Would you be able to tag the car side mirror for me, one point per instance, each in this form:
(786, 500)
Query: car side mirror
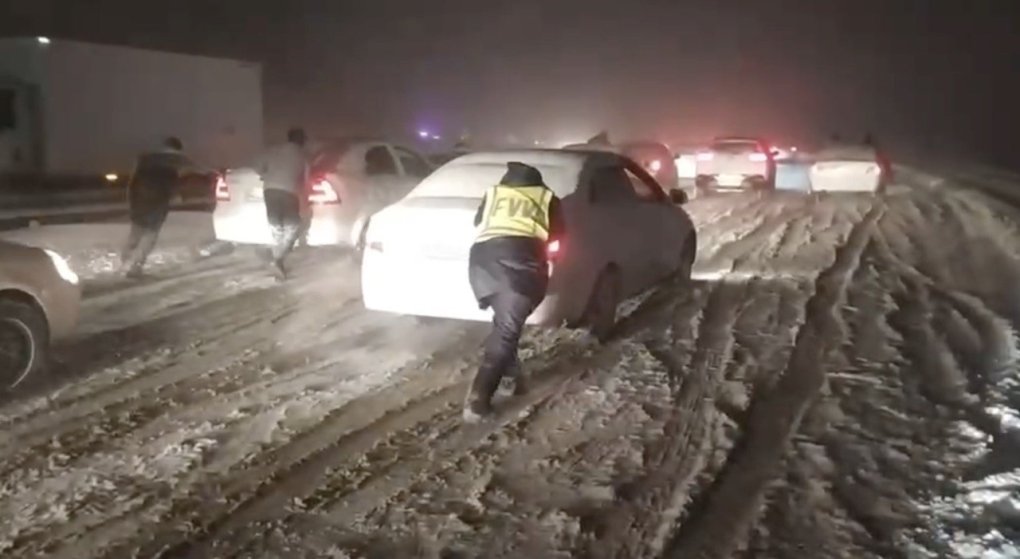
(678, 197)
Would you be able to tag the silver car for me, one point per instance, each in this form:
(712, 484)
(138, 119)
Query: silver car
(39, 301)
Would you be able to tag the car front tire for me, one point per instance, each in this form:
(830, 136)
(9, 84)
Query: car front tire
(600, 314)
(24, 342)
(687, 257)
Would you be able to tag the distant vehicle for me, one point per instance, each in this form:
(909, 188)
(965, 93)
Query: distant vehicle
(735, 164)
(439, 159)
(39, 300)
(784, 153)
(849, 168)
(350, 179)
(653, 156)
(624, 234)
(80, 112)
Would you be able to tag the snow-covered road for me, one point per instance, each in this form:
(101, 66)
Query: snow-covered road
(840, 381)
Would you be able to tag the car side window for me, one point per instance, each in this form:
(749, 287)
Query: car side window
(379, 162)
(645, 188)
(610, 185)
(412, 163)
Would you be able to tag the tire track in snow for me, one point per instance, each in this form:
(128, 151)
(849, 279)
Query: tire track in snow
(635, 528)
(575, 428)
(439, 413)
(732, 504)
(219, 335)
(274, 475)
(208, 395)
(220, 393)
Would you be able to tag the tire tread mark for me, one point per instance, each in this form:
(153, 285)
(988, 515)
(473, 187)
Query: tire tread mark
(732, 503)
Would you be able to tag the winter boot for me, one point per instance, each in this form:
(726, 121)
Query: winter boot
(476, 408)
(516, 372)
(279, 272)
(133, 272)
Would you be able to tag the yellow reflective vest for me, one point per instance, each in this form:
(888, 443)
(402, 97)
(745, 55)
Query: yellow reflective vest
(515, 211)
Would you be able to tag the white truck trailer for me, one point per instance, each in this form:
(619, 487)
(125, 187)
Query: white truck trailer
(75, 110)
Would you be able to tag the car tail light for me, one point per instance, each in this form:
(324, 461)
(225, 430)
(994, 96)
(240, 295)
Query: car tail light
(758, 157)
(323, 193)
(552, 249)
(222, 190)
(705, 156)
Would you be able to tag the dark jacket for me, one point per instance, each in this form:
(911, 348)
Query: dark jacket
(515, 264)
(155, 181)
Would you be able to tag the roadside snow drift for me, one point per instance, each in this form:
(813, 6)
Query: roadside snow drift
(839, 380)
(93, 249)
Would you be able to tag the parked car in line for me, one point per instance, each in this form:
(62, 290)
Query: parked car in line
(39, 302)
(734, 164)
(654, 157)
(350, 179)
(850, 168)
(623, 234)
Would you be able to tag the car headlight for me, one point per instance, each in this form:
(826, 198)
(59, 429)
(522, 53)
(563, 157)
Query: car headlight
(62, 267)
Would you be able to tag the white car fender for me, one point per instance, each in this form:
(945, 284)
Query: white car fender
(359, 229)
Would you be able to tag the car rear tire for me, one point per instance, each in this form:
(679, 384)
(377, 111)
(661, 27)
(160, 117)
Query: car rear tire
(687, 257)
(704, 185)
(24, 341)
(600, 314)
(757, 183)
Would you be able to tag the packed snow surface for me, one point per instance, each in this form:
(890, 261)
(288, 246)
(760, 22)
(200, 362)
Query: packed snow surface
(839, 380)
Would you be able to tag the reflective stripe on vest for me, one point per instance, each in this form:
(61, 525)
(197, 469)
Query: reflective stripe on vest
(519, 211)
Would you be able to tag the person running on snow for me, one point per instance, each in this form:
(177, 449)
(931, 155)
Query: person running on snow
(509, 271)
(284, 172)
(152, 187)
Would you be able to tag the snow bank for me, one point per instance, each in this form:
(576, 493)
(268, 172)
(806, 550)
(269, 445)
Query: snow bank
(94, 248)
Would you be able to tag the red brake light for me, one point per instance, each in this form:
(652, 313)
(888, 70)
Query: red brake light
(759, 157)
(323, 193)
(553, 248)
(705, 156)
(222, 190)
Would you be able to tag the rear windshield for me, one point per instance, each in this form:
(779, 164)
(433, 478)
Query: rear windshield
(471, 180)
(326, 156)
(734, 146)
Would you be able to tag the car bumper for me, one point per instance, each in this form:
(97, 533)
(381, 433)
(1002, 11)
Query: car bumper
(411, 284)
(845, 176)
(248, 225)
(62, 304)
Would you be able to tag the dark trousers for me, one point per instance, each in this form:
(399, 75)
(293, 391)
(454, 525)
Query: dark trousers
(145, 228)
(283, 210)
(510, 311)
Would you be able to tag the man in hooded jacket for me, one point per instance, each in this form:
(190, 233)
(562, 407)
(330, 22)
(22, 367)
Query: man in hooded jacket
(509, 272)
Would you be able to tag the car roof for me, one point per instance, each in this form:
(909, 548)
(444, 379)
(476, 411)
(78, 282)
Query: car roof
(561, 169)
(573, 158)
(735, 139)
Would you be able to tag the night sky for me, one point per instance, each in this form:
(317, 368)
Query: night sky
(930, 74)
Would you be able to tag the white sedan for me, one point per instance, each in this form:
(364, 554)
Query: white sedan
(350, 181)
(733, 164)
(624, 234)
(849, 168)
(39, 301)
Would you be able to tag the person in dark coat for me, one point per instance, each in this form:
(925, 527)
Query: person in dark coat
(152, 187)
(509, 272)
